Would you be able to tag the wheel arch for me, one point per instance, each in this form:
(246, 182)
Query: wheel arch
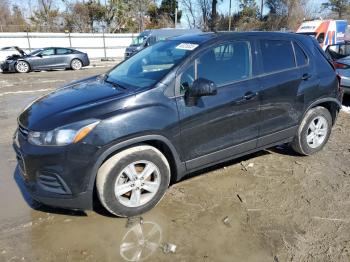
(76, 58)
(331, 104)
(19, 60)
(160, 142)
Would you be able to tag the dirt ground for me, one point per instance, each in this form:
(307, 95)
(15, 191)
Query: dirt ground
(270, 206)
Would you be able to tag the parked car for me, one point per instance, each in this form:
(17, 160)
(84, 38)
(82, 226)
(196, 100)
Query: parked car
(340, 55)
(44, 59)
(150, 37)
(176, 107)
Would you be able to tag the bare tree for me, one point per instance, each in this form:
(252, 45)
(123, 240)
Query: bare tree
(46, 15)
(287, 13)
(190, 13)
(4, 12)
(213, 19)
(205, 9)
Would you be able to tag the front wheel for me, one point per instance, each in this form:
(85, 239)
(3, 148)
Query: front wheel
(133, 181)
(313, 132)
(22, 67)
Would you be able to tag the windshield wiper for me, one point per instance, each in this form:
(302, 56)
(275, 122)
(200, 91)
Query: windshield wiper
(113, 83)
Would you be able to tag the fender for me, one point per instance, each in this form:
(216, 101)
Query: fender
(326, 99)
(180, 167)
(320, 101)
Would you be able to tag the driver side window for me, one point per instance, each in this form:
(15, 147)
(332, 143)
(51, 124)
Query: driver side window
(48, 52)
(223, 64)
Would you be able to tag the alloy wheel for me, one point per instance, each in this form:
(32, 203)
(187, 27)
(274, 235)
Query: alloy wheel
(76, 64)
(22, 67)
(317, 132)
(137, 184)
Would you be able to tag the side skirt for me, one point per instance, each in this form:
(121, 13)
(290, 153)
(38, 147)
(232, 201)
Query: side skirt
(246, 148)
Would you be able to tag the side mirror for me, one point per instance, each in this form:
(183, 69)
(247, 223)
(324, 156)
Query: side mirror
(200, 87)
(39, 55)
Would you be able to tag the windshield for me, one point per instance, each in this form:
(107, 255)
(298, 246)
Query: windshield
(139, 40)
(150, 65)
(35, 52)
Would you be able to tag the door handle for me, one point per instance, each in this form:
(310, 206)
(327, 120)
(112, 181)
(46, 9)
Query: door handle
(247, 96)
(250, 95)
(305, 77)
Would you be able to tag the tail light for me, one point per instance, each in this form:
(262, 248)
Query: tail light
(338, 65)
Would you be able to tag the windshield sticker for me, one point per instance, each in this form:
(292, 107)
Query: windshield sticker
(187, 46)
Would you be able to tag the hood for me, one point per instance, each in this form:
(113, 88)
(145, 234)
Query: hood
(90, 98)
(133, 48)
(19, 50)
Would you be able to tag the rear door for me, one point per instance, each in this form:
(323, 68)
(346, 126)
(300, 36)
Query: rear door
(283, 78)
(62, 57)
(220, 126)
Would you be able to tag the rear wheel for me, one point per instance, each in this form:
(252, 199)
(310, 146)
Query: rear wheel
(76, 64)
(133, 181)
(313, 132)
(22, 67)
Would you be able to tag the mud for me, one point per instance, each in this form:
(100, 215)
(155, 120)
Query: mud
(269, 206)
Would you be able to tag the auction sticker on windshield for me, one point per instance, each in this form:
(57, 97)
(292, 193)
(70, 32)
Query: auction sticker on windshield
(187, 46)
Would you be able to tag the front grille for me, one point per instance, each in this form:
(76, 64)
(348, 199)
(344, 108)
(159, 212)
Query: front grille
(24, 132)
(4, 66)
(52, 182)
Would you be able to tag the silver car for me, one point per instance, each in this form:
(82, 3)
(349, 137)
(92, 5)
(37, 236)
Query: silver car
(340, 55)
(44, 59)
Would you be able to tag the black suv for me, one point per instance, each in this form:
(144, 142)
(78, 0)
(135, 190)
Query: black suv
(173, 108)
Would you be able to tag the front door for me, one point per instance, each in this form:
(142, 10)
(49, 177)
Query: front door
(46, 59)
(220, 126)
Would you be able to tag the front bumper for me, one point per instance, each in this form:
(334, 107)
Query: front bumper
(86, 61)
(8, 66)
(56, 176)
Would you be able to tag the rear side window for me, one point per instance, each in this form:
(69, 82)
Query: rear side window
(300, 55)
(277, 55)
(63, 51)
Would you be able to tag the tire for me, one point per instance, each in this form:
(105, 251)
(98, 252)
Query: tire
(313, 132)
(114, 178)
(22, 67)
(76, 64)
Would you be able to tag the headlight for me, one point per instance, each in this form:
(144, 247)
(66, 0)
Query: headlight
(65, 135)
